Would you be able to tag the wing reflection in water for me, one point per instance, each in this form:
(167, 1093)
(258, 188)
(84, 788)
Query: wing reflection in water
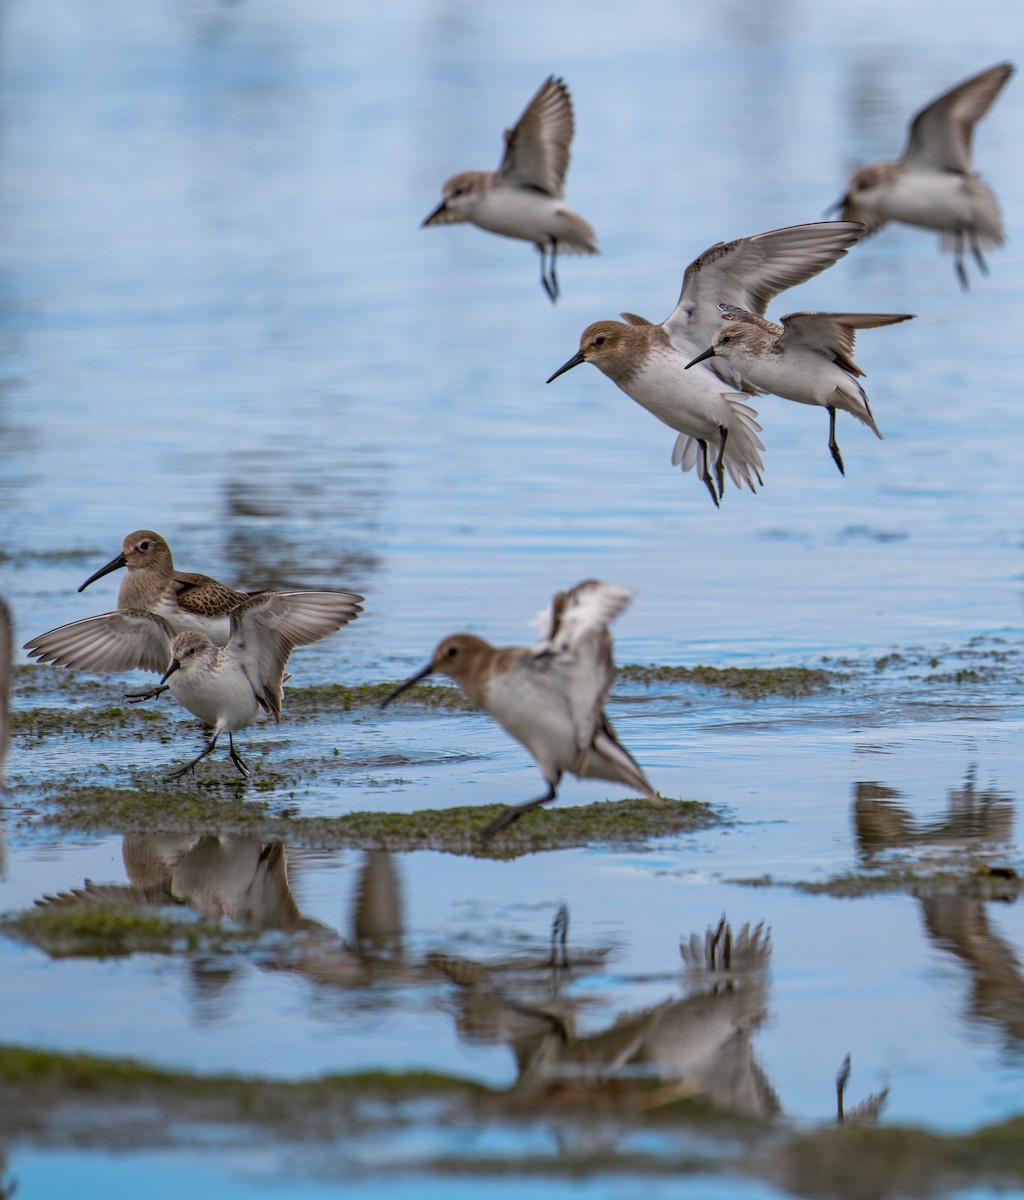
(960, 925)
(697, 1046)
(979, 823)
(243, 880)
(974, 819)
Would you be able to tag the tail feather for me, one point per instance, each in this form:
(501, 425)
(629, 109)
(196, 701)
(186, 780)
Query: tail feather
(856, 404)
(607, 758)
(742, 449)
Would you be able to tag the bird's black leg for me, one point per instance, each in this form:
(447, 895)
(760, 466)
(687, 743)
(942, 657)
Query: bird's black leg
(552, 274)
(720, 461)
(550, 288)
(513, 814)
(833, 445)
(559, 937)
(148, 694)
(978, 256)
(236, 757)
(191, 766)
(705, 474)
(958, 260)
(841, 1078)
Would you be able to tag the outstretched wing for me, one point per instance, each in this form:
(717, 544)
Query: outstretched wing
(537, 146)
(940, 134)
(747, 273)
(266, 627)
(108, 644)
(577, 650)
(834, 334)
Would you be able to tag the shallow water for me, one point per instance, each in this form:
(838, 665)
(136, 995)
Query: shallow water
(218, 319)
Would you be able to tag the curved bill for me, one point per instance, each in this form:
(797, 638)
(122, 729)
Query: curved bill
(402, 687)
(708, 353)
(114, 565)
(440, 211)
(175, 665)
(575, 361)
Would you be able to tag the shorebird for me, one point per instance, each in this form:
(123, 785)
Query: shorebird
(524, 197)
(551, 697)
(934, 183)
(228, 686)
(808, 358)
(151, 584)
(648, 362)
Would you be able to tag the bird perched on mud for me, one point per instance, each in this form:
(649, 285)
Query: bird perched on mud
(934, 184)
(524, 198)
(228, 687)
(808, 358)
(550, 698)
(151, 584)
(184, 600)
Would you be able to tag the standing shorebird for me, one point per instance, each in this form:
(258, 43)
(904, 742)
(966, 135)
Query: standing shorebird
(934, 183)
(189, 601)
(228, 686)
(151, 584)
(550, 698)
(524, 197)
(808, 358)
(707, 407)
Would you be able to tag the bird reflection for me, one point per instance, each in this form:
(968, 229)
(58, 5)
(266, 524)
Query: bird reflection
(959, 924)
(699, 1045)
(956, 919)
(974, 818)
(243, 880)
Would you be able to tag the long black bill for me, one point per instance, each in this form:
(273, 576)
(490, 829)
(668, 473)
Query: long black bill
(575, 361)
(708, 353)
(438, 212)
(427, 670)
(114, 565)
(839, 205)
(175, 665)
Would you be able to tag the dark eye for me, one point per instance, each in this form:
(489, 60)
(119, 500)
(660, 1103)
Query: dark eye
(452, 651)
(723, 340)
(144, 545)
(599, 341)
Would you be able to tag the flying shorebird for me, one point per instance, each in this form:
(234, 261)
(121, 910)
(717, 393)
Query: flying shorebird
(228, 686)
(808, 358)
(934, 183)
(648, 362)
(550, 698)
(524, 197)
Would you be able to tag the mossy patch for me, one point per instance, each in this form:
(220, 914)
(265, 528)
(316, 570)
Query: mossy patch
(30, 1069)
(978, 882)
(38, 724)
(456, 830)
(108, 930)
(335, 697)
(61, 1099)
(751, 683)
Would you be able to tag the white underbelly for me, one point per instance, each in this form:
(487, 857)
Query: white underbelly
(690, 402)
(220, 696)
(934, 199)
(520, 213)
